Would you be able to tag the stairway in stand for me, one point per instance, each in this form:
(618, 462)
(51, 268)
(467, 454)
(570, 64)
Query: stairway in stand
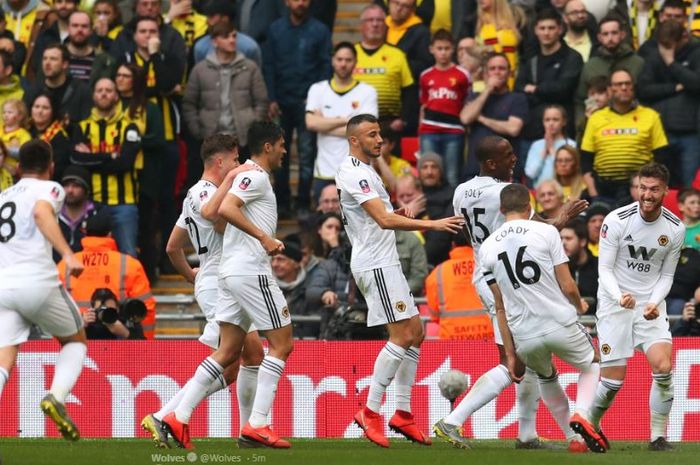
(347, 20)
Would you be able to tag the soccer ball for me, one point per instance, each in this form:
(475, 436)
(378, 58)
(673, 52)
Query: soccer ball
(452, 383)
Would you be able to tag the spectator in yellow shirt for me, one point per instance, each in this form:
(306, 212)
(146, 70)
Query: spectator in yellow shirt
(13, 133)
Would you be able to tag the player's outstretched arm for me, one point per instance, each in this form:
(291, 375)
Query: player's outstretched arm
(570, 210)
(390, 220)
(230, 210)
(175, 249)
(45, 220)
(210, 210)
(508, 345)
(568, 286)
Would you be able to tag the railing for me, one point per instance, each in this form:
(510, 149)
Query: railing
(183, 300)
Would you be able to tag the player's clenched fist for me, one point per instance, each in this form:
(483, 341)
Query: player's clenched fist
(73, 265)
(651, 312)
(627, 301)
(272, 246)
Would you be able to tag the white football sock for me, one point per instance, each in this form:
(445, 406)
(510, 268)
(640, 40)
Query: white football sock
(208, 372)
(4, 376)
(68, 367)
(246, 384)
(269, 375)
(604, 395)
(405, 377)
(585, 390)
(660, 402)
(486, 388)
(557, 402)
(171, 405)
(528, 395)
(385, 367)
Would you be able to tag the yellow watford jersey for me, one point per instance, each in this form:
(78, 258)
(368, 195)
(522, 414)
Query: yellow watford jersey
(21, 26)
(622, 143)
(386, 69)
(114, 143)
(13, 140)
(171, 117)
(693, 17)
(191, 27)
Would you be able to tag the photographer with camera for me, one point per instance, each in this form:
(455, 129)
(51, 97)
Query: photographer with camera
(106, 267)
(107, 318)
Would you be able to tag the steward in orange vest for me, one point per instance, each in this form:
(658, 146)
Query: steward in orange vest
(106, 267)
(453, 300)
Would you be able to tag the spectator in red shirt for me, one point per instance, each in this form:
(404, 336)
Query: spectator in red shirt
(443, 91)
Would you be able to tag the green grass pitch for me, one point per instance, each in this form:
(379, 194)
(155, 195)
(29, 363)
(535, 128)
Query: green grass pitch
(326, 452)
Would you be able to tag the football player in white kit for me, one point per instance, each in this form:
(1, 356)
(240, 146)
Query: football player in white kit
(199, 224)
(370, 221)
(524, 265)
(248, 293)
(30, 292)
(639, 248)
(478, 200)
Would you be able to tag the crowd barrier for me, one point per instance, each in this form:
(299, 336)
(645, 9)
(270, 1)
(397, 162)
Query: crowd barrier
(323, 385)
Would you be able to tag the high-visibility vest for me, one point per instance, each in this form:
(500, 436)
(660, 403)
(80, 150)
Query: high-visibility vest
(106, 267)
(453, 300)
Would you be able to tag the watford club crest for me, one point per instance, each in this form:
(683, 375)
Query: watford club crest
(663, 240)
(355, 104)
(453, 82)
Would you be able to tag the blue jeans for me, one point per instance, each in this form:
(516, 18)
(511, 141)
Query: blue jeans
(450, 147)
(688, 148)
(293, 117)
(125, 226)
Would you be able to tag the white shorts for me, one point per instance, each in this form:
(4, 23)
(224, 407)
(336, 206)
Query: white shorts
(622, 331)
(489, 303)
(207, 300)
(252, 303)
(387, 294)
(51, 308)
(570, 343)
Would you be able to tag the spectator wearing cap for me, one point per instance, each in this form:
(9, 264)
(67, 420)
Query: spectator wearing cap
(291, 278)
(77, 207)
(111, 269)
(594, 220)
(296, 54)
(222, 10)
(438, 204)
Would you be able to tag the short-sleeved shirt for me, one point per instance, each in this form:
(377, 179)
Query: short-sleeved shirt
(360, 98)
(442, 94)
(639, 252)
(386, 69)
(520, 256)
(25, 254)
(243, 255)
(372, 246)
(498, 107)
(622, 143)
(692, 236)
(205, 240)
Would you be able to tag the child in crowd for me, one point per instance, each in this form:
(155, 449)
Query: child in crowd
(540, 159)
(13, 132)
(689, 205)
(597, 98)
(443, 90)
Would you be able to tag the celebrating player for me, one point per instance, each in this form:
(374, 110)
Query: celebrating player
(525, 266)
(30, 292)
(639, 248)
(369, 221)
(249, 295)
(200, 225)
(477, 199)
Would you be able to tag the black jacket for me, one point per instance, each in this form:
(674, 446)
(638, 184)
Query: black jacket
(656, 87)
(556, 83)
(438, 205)
(415, 43)
(76, 101)
(586, 277)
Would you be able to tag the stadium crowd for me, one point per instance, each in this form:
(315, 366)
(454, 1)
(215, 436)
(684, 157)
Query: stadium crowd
(586, 92)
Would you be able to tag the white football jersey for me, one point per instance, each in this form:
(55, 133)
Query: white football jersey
(25, 254)
(372, 246)
(520, 256)
(638, 252)
(205, 240)
(479, 201)
(360, 99)
(243, 255)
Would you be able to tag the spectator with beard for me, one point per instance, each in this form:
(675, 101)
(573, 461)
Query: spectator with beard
(291, 278)
(56, 33)
(77, 208)
(581, 29)
(583, 265)
(85, 62)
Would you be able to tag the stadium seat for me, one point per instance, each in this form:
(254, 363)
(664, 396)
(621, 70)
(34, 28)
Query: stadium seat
(671, 202)
(409, 149)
